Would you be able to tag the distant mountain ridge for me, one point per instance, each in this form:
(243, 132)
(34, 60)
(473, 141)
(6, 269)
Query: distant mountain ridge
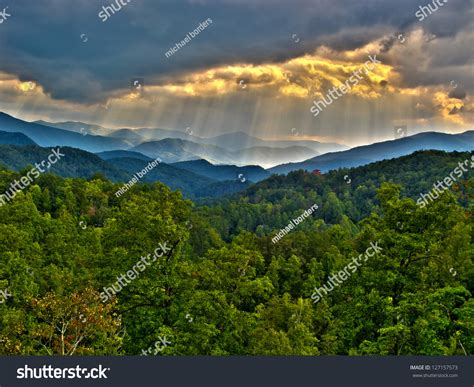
(230, 141)
(252, 173)
(226, 149)
(47, 136)
(268, 157)
(78, 127)
(241, 140)
(383, 150)
(235, 148)
(172, 150)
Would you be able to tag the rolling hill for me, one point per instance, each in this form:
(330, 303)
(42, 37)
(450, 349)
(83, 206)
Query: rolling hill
(383, 150)
(15, 139)
(75, 163)
(122, 153)
(79, 163)
(192, 185)
(223, 172)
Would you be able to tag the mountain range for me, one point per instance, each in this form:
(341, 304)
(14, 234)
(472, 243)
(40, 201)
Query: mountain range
(200, 178)
(79, 163)
(383, 150)
(236, 148)
(191, 163)
(47, 136)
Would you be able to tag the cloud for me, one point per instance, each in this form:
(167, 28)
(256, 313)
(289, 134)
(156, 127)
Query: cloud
(285, 54)
(133, 41)
(457, 93)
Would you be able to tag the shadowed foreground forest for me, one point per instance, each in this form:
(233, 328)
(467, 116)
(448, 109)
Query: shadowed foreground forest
(221, 287)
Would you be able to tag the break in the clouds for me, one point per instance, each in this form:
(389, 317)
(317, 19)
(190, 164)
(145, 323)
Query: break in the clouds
(256, 68)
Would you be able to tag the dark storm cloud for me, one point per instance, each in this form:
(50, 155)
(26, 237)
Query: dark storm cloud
(457, 93)
(42, 40)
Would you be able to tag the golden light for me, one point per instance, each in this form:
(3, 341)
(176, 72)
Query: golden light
(27, 86)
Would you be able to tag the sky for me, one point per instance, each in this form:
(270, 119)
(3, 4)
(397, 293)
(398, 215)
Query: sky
(256, 68)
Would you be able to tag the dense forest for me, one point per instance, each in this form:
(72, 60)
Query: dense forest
(221, 286)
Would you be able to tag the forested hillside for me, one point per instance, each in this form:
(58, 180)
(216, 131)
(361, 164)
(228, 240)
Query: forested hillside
(220, 286)
(342, 195)
(79, 163)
